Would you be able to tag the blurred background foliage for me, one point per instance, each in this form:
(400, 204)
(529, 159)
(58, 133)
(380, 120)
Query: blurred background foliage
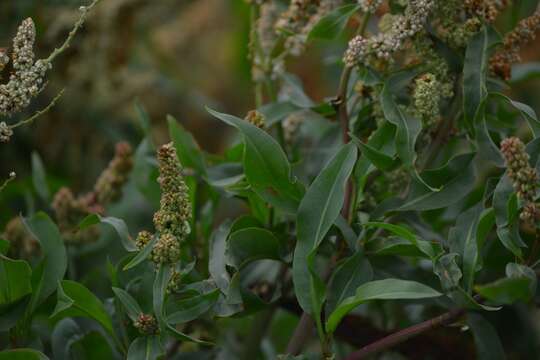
(172, 57)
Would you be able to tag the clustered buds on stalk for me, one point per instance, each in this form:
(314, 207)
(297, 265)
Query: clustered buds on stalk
(146, 324)
(369, 5)
(171, 221)
(426, 99)
(501, 62)
(108, 186)
(21, 244)
(291, 125)
(256, 118)
(362, 51)
(70, 210)
(27, 78)
(488, 10)
(5, 132)
(523, 176)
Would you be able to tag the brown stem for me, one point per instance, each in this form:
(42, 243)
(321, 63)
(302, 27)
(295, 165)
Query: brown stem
(407, 333)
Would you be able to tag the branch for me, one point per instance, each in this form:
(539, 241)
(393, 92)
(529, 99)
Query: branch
(405, 334)
(40, 112)
(11, 177)
(84, 12)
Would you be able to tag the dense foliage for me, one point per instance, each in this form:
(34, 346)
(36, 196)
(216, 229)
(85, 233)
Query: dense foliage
(395, 219)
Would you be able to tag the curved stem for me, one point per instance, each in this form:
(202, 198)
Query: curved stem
(407, 333)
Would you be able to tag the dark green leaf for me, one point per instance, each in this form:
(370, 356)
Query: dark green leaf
(191, 308)
(133, 309)
(22, 354)
(488, 345)
(266, 166)
(379, 159)
(317, 212)
(448, 271)
(146, 348)
(75, 300)
(386, 289)
(217, 261)
(117, 224)
(506, 290)
(189, 152)
(15, 280)
(474, 74)
(142, 255)
(348, 276)
(54, 263)
(333, 23)
(39, 179)
(250, 244)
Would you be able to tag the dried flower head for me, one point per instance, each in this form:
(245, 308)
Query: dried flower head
(166, 249)
(21, 244)
(523, 176)
(256, 118)
(426, 99)
(109, 185)
(146, 324)
(5, 132)
(143, 238)
(501, 62)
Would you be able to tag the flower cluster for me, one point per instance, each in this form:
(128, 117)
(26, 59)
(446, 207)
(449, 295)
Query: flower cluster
(300, 18)
(291, 125)
(27, 78)
(488, 10)
(256, 118)
(525, 31)
(109, 185)
(146, 324)
(70, 210)
(5, 132)
(171, 221)
(21, 244)
(426, 99)
(362, 51)
(265, 26)
(4, 59)
(523, 176)
(369, 5)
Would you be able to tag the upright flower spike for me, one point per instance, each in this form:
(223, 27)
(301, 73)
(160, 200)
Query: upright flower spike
(501, 62)
(172, 219)
(426, 99)
(109, 185)
(523, 176)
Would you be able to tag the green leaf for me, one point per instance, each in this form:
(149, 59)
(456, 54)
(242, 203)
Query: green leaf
(488, 345)
(387, 289)
(317, 212)
(455, 180)
(54, 264)
(486, 146)
(266, 166)
(65, 333)
(69, 341)
(217, 261)
(474, 74)
(408, 127)
(133, 309)
(117, 224)
(251, 244)
(506, 290)
(424, 246)
(514, 270)
(146, 348)
(379, 159)
(333, 23)
(39, 179)
(525, 111)
(448, 271)
(15, 277)
(191, 308)
(22, 354)
(189, 152)
(506, 216)
(142, 255)
(75, 300)
(348, 276)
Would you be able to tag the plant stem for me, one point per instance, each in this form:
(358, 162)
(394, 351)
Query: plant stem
(40, 112)
(303, 329)
(407, 333)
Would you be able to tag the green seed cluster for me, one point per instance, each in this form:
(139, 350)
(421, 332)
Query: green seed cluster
(146, 324)
(254, 117)
(426, 99)
(171, 221)
(523, 176)
(109, 185)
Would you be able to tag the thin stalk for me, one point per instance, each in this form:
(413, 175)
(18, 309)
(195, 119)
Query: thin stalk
(407, 333)
(40, 112)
